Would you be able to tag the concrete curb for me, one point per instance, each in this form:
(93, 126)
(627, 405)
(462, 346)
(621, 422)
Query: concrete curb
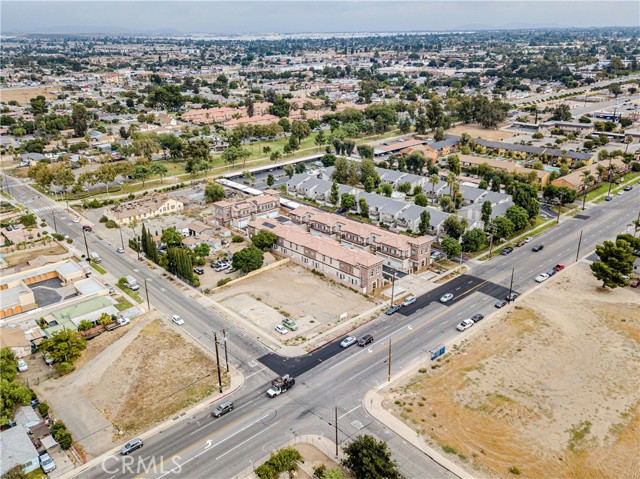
(237, 381)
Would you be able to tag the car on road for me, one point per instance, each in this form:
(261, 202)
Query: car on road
(465, 324)
(364, 340)
(537, 248)
(120, 250)
(290, 323)
(177, 319)
(22, 365)
(501, 304)
(222, 409)
(348, 341)
(528, 239)
(198, 270)
(392, 309)
(520, 243)
(559, 267)
(506, 251)
(446, 298)
(46, 463)
(281, 329)
(608, 198)
(512, 296)
(131, 446)
(628, 188)
(542, 278)
(75, 220)
(409, 300)
(551, 272)
(477, 317)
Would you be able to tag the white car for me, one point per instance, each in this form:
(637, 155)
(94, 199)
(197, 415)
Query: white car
(22, 365)
(466, 324)
(123, 321)
(409, 300)
(281, 329)
(177, 319)
(46, 463)
(528, 239)
(76, 220)
(348, 341)
(446, 298)
(542, 277)
(120, 250)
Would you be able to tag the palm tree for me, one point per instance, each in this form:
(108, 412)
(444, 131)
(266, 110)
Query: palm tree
(433, 179)
(451, 179)
(587, 178)
(600, 172)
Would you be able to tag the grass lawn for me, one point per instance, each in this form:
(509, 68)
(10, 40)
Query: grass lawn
(122, 304)
(98, 268)
(131, 293)
(538, 227)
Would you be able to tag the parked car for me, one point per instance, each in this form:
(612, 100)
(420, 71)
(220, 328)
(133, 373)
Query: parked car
(558, 267)
(281, 329)
(501, 304)
(634, 283)
(446, 298)
(608, 198)
(46, 463)
(110, 288)
(542, 278)
(528, 239)
(198, 270)
(348, 341)
(22, 365)
(177, 319)
(512, 296)
(120, 250)
(123, 321)
(131, 446)
(520, 243)
(537, 248)
(628, 188)
(409, 300)
(48, 359)
(551, 272)
(290, 323)
(506, 251)
(392, 309)
(222, 409)
(477, 317)
(466, 324)
(364, 340)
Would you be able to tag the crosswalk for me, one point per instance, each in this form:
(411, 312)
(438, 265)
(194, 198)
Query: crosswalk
(46, 208)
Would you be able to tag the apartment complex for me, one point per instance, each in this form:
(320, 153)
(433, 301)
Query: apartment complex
(239, 213)
(405, 253)
(149, 206)
(354, 268)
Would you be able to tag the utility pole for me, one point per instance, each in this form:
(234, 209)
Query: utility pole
(609, 175)
(336, 421)
(146, 289)
(215, 341)
(121, 238)
(226, 357)
(389, 368)
(393, 285)
(511, 284)
(84, 235)
(579, 243)
(55, 227)
(491, 226)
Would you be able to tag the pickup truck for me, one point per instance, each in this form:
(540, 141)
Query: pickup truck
(280, 385)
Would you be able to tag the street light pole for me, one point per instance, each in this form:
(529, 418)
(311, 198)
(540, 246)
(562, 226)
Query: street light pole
(579, 243)
(55, 227)
(393, 285)
(84, 235)
(609, 175)
(389, 368)
(491, 226)
(146, 289)
(511, 284)
(226, 356)
(215, 341)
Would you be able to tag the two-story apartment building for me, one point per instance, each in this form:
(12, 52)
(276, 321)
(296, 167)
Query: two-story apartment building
(239, 213)
(356, 269)
(154, 204)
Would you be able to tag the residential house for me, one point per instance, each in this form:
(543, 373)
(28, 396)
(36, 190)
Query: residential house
(574, 179)
(149, 206)
(394, 148)
(16, 449)
(512, 166)
(16, 340)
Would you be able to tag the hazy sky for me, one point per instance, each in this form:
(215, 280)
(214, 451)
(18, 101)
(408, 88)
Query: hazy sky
(305, 16)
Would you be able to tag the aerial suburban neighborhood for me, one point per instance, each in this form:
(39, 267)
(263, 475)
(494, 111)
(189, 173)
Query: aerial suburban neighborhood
(272, 250)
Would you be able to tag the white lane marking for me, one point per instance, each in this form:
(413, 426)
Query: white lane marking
(244, 442)
(253, 374)
(365, 370)
(350, 411)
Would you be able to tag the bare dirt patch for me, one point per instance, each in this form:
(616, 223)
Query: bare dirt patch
(550, 388)
(23, 257)
(314, 457)
(292, 291)
(476, 131)
(23, 95)
(153, 379)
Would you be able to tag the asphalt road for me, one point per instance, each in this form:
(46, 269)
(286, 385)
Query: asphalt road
(204, 447)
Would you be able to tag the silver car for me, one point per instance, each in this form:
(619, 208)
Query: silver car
(131, 446)
(348, 341)
(46, 463)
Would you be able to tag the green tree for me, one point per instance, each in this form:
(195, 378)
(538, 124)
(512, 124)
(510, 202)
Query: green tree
(434, 180)
(160, 170)
(264, 240)
(214, 192)
(171, 237)
(425, 223)
(386, 189)
(334, 196)
(487, 209)
(141, 172)
(454, 226)
(79, 119)
(447, 204)
(421, 200)
(518, 216)
(561, 112)
(64, 346)
(368, 171)
(526, 196)
(248, 259)
(85, 325)
(364, 207)
(38, 105)
(474, 239)
(12, 392)
(368, 458)
(404, 187)
(415, 161)
(202, 250)
(503, 227)
(615, 261)
(340, 170)
(451, 247)
(347, 201)
(270, 180)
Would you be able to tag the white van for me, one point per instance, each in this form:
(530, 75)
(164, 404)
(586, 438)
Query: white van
(409, 300)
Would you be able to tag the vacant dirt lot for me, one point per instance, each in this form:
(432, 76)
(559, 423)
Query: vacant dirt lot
(476, 131)
(295, 292)
(151, 379)
(550, 388)
(23, 95)
(23, 256)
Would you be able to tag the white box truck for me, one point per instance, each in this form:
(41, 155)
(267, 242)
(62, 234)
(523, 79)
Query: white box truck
(95, 257)
(132, 284)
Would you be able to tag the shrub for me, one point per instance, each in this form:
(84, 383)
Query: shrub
(237, 239)
(514, 470)
(58, 236)
(43, 409)
(223, 281)
(65, 439)
(111, 224)
(103, 219)
(63, 368)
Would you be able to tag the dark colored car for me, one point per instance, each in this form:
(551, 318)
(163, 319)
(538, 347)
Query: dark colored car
(506, 251)
(366, 339)
(537, 248)
(608, 198)
(477, 317)
(512, 296)
(222, 409)
(520, 243)
(392, 309)
(87, 228)
(628, 188)
(551, 272)
(501, 304)
(131, 446)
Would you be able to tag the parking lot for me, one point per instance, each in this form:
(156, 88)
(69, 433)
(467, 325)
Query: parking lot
(291, 291)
